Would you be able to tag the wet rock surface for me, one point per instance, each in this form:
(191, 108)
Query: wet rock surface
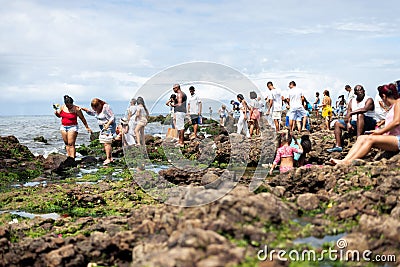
(112, 222)
(183, 236)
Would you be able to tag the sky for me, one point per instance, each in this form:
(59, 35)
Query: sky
(109, 49)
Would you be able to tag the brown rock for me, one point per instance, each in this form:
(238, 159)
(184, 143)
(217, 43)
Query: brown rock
(57, 257)
(308, 201)
(356, 241)
(377, 226)
(348, 213)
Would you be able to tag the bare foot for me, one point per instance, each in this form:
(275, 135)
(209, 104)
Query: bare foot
(338, 161)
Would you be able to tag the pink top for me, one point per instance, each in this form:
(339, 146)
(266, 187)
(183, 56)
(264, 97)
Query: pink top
(286, 151)
(389, 119)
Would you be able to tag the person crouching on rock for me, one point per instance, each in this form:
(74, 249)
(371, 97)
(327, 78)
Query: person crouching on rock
(285, 153)
(69, 114)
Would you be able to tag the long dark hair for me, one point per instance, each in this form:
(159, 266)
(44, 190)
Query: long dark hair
(140, 101)
(68, 100)
(284, 137)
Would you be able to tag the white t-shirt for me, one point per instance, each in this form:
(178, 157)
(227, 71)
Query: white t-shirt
(254, 103)
(349, 95)
(380, 113)
(276, 95)
(295, 98)
(194, 102)
(355, 106)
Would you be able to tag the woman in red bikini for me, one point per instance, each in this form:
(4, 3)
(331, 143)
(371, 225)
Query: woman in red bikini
(69, 114)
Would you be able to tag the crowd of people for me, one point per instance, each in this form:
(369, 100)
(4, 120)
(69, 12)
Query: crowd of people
(130, 130)
(374, 121)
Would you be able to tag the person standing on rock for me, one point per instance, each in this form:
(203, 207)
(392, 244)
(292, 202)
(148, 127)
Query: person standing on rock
(387, 138)
(131, 117)
(327, 109)
(106, 120)
(223, 114)
(254, 110)
(141, 121)
(180, 112)
(244, 115)
(275, 105)
(194, 109)
(69, 114)
(349, 93)
(316, 104)
(296, 113)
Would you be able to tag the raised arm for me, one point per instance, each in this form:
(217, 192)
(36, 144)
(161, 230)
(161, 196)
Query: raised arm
(58, 111)
(82, 118)
(90, 112)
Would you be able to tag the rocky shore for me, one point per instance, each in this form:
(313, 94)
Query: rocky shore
(103, 218)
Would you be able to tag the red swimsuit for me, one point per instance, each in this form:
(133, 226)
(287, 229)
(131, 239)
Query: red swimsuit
(68, 119)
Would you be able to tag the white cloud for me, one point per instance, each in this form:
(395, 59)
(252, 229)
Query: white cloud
(109, 49)
(362, 27)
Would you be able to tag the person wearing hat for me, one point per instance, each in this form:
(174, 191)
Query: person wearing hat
(194, 109)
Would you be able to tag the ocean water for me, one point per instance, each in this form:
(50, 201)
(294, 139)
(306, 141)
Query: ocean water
(26, 128)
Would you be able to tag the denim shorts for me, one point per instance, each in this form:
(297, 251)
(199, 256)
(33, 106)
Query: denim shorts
(369, 123)
(70, 128)
(297, 114)
(194, 118)
(112, 127)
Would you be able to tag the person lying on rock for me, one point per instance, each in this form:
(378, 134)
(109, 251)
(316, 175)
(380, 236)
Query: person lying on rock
(387, 138)
(285, 153)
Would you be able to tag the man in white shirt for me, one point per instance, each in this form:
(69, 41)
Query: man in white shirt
(350, 93)
(296, 112)
(194, 109)
(360, 117)
(275, 104)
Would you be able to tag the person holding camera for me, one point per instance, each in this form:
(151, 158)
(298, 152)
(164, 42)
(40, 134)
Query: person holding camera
(69, 114)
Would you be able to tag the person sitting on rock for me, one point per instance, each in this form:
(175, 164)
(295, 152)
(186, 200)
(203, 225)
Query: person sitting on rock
(387, 138)
(360, 117)
(285, 153)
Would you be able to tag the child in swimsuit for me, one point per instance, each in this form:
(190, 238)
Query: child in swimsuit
(285, 153)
